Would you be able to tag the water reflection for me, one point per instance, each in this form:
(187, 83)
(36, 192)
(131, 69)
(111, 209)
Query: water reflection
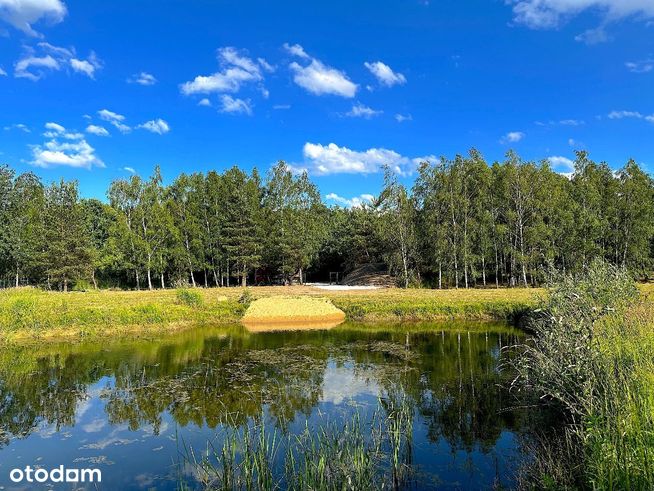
(130, 402)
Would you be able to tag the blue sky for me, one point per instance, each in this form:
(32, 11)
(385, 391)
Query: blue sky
(94, 91)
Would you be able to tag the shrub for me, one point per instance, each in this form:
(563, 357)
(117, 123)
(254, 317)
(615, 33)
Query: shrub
(187, 296)
(245, 298)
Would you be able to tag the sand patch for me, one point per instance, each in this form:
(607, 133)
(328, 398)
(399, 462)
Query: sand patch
(291, 313)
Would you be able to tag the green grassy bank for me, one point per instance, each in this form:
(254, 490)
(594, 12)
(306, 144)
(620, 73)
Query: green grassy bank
(592, 356)
(29, 313)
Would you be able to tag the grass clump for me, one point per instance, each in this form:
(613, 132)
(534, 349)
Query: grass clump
(187, 296)
(592, 357)
(352, 455)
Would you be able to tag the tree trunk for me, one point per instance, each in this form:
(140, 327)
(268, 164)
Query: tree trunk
(149, 277)
(440, 275)
(483, 270)
(192, 278)
(138, 280)
(95, 283)
(65, 284)
(163, 284)
(244, 278)
(17, 277)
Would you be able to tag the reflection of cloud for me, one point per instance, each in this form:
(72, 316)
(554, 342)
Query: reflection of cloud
(341, 383)
(94, 426)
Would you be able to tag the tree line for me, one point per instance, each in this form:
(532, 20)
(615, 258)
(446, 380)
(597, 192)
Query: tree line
(463, 223)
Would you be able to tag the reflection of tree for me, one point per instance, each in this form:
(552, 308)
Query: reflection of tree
(220, 377)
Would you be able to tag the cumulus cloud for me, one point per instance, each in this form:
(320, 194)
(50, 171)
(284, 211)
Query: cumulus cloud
(158, 126)
(401, 118)
(21, 14)
(143, 78)
(296, 50)
(2, 73)
(115, 119)
(36, 62)
(361, 111)
(641, 66)
(562, 165)
(64, 149)
(236, 69)
(230, 104)
(512, 137)
(97, 130)
(318, 78)
(88, 67)
(631, 114)
(384, 74)
(332, 159)
(550, 14)
(204, 102)
(354, 202)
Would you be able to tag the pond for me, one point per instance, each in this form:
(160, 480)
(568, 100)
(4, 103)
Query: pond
(136, 409)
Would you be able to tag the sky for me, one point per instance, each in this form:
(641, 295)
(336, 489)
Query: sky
(96, 91)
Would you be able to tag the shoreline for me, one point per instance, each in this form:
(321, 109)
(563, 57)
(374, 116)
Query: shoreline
(29, 314)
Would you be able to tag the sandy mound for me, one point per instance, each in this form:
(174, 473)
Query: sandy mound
(283, 313)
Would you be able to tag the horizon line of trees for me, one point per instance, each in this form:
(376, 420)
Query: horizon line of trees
(463, 223)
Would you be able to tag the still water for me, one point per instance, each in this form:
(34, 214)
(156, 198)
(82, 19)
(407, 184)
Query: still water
(134, 408)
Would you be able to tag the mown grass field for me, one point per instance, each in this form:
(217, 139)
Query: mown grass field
(28, 313)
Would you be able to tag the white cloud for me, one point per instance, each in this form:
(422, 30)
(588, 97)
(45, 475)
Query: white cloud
(35, 67)
(641, 66)
(143, 78)
(57, 128)
(332, 159)
(115, 119)
(108, 115)
(230, 104)
(37, 62)
(237, 69)
(75, 152)
(97, 130)
(562, 165)
(131, 170)
(18, 126)
(550, 14)
(512, 137)
(630, 114)
(158, 126)
(571, 122)
(384, 74)
(318, 78)
(282, 106)
(21, 14)
(401, 118)
(2, 73)
(574, 143)
(204, 102)
(361, 111)
(354, 202)
(265, 65)
(296, 50)
(87, 67)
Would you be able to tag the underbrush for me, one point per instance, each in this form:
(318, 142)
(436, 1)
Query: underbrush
(592, 357)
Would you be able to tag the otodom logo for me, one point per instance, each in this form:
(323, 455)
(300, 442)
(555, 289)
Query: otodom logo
(56, 475)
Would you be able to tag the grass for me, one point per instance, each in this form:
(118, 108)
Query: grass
(593, 357)
(32, 314)
(350, 456)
